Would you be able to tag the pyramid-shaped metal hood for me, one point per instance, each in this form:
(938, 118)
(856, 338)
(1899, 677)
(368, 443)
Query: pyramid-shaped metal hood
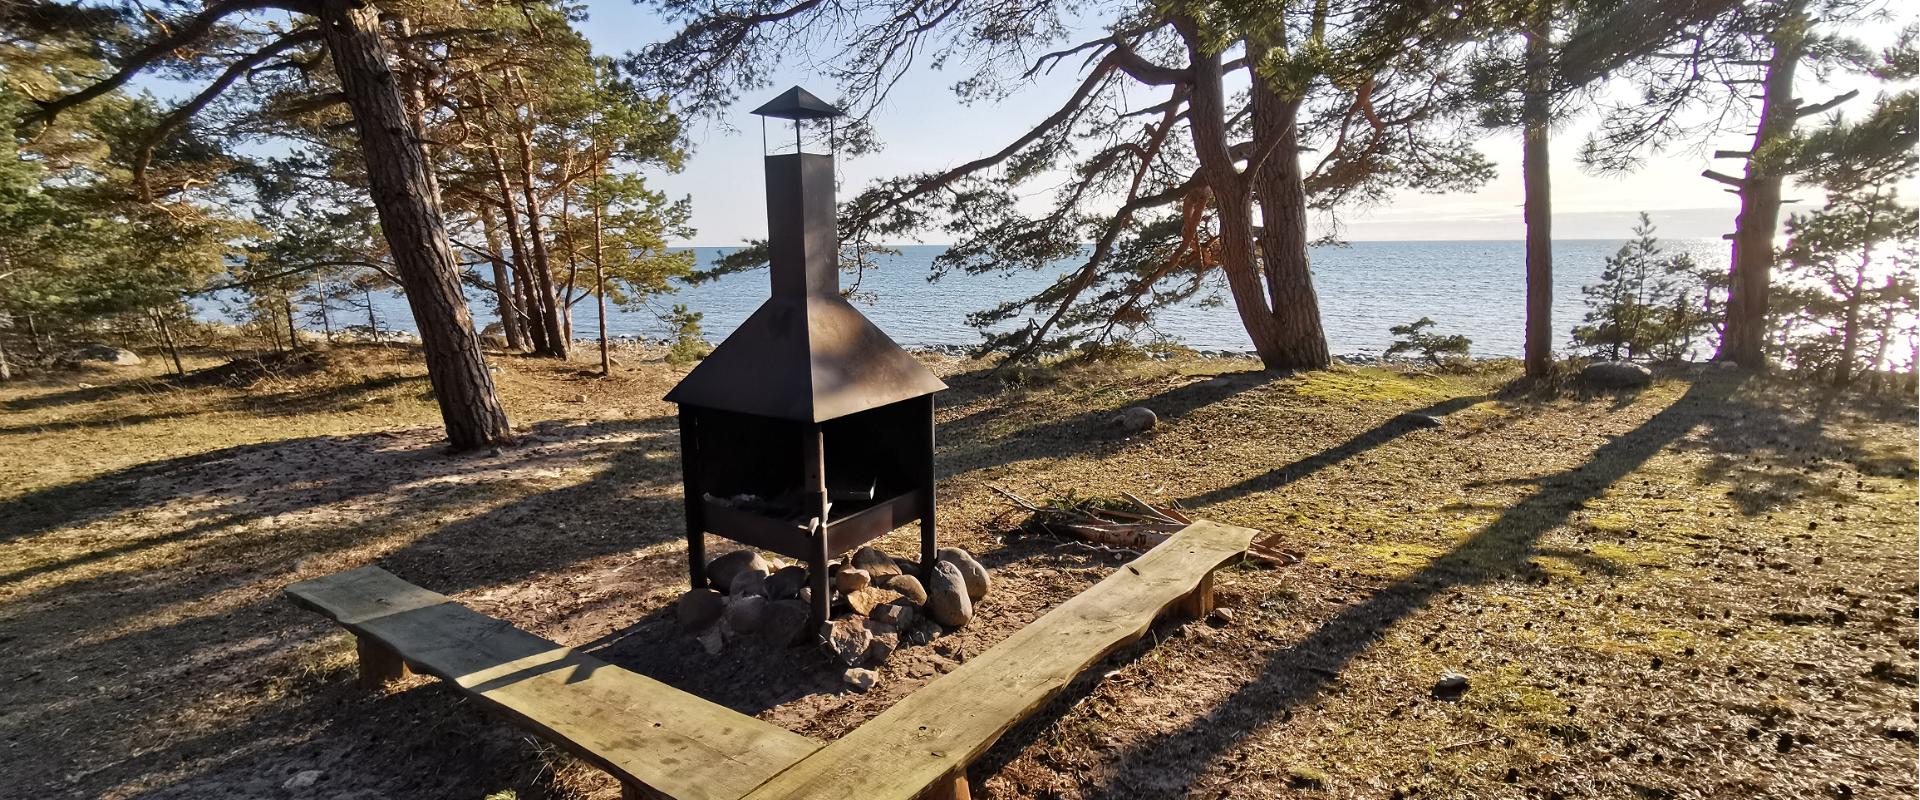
(806, 354)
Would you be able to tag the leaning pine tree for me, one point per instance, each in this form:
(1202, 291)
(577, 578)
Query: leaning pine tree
(400, 181)
(1176, 176)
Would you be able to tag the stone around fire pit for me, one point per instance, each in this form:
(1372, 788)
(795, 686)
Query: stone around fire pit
(909, 588)
(699, 608)
(947, 600)
(876, 563)
(748, 582)
(786, 583)
(721, 571)
(974, 574)
(848, 639)
(851, 579)
(783, 622)
(745, 613)
(864, 601)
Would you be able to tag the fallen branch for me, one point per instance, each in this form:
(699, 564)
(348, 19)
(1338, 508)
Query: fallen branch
(1139, 526)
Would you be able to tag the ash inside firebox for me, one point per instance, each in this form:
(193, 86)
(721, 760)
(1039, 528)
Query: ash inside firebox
(879, 605)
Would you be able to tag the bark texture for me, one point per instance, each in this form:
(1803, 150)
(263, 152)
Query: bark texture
(406, 197)
(1744, 342)
(1282, 192)
(1536, 119)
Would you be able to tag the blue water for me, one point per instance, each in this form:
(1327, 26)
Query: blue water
(1472, 288)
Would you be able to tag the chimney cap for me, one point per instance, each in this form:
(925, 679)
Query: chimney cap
(797, 103)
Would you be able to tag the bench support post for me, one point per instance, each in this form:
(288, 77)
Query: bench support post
(378, 663)
(1198, 603)
(952, 787)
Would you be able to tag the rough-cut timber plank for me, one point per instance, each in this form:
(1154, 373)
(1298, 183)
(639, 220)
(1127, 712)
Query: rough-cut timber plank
(651, 736)
(935, 732)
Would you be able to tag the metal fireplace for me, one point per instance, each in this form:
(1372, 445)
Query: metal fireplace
(807, 432)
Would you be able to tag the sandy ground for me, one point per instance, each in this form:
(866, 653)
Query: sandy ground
(1705, 589)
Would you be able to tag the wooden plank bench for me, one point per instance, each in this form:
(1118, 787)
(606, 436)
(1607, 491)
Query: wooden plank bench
(657, 740)
(662, 742)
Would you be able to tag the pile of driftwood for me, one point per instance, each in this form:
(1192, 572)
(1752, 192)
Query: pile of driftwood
(1135, 525)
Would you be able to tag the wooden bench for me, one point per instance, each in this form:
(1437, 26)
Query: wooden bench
(657, 740)
(660, 741)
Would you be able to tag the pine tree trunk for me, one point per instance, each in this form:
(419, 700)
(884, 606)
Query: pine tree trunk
(503, 288)
(1745, 340)
(529, 307)
(293, 333)
(600, 272)
(6, 369)
(1295, 306)
(1536, 117)
(1233, 198)
(546, 304)
(405, 195)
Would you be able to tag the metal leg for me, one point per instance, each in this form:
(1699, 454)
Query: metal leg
(695, 505)
(928, 543)
(814, 476)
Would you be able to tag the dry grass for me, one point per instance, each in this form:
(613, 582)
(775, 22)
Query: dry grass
(1703, 590)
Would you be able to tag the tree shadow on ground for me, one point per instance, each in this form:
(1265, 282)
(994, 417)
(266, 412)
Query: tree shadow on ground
(1296, 673)
(189, 617)
(1374, 437)
(1087, 431)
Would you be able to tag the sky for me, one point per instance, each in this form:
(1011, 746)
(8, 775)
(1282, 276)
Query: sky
(926, 128)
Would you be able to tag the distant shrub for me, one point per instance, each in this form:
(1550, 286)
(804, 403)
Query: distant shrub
(1417, 337)
(1649, 304)
(688, 344)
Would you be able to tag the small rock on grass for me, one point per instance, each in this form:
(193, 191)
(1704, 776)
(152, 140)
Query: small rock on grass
(302, 780)
(861, 680)
(1220, 617)
(971, 571)
(1450, 686)
(947, 601)
(1136, 419)
(699, 608)
(908, 586)
(1421, 420)
(721, 571)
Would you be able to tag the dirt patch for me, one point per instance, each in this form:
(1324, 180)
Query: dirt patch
(1702, 590)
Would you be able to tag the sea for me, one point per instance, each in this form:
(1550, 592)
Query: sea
(1475, 288)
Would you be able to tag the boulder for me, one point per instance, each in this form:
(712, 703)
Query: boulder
(851, 579)
(786, 582)
(745, 613)
(864, 601)
(1135, 419)
(947, 601)
(860, 680)
(721, 571)
(783, 622)
(908, 586)
(897, 614)
(1616, 375)
(848, 639)
(748, 582)
(882, 647)
(970, 570)
(699, 608)
(876, 563)
(106, 354)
